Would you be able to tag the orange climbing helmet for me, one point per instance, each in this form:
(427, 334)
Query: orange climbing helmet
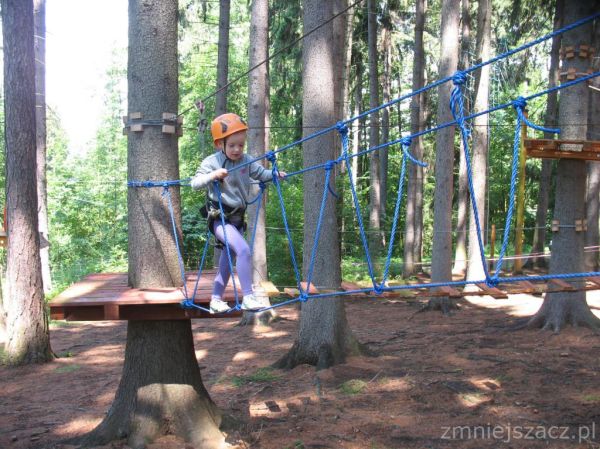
(226, 125)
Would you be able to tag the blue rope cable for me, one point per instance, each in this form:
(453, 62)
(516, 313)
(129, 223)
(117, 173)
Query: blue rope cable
(167, 193)
(519, 104)
(258, 199)
(201, 267)
(315, 246)
(428, 87)
(227, 248)
(273, 159)
(357, 210)
(457, 109)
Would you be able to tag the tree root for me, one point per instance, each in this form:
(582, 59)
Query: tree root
(265, 318)
(557, 313)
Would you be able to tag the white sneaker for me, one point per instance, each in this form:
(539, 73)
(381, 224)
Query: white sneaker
(251, 303)
(217, 305)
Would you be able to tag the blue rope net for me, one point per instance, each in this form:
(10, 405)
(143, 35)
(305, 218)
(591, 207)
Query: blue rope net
(379, 286)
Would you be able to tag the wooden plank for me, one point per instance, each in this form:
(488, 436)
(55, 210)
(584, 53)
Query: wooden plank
(558, 285)
(494, 292)
(563, 149)
(269, 288)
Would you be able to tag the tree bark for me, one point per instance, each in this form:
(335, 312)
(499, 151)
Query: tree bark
(592, 235)
(39, 20)
(441, 263)
(161, 390)
(386, 83)
(376, 237)
(564, 308)
(543, 199)
(475, 268)
(26, 320)
(258, 142)
(324, 338)
(460, 253)
(222, 75)
(414, 195)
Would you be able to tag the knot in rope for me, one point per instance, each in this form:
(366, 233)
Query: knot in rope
(271, 157)
(520, 103)
(406, 141)
(262, 185)
(378, 289)
(165, 187)
(492, 282)
(342, 128)
(459, 78)
(330, 164)
(303, 297)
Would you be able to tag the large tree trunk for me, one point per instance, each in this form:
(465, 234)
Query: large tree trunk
(543, 199)
(258, 142)
(222, 75)
(386, 83)
(564, 308)
(592, 237)
(475, 268)
(161, 389)
(441, 263)
(376, 237)
(27, 323)
(460, 252)
(324, 338)
(414, 214)
(39, 20)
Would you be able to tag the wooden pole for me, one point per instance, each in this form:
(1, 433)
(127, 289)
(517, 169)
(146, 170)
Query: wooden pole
(520, 201)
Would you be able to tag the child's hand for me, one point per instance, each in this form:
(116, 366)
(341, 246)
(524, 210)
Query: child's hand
(219, 174)
(282, 174)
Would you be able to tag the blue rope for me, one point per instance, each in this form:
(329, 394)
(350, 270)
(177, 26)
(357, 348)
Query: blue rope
(519, 104)
(273, 159)
(200, 268)
(227, 248)
(315, 246)
(457, 108)
(167, 193)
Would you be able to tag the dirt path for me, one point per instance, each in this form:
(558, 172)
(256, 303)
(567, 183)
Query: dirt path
(439, 382)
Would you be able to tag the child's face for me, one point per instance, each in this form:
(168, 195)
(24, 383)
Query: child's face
(234, 145)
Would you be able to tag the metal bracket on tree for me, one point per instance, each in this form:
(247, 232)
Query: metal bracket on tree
(170, 123)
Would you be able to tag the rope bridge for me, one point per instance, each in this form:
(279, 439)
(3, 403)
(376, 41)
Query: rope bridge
(379, 286)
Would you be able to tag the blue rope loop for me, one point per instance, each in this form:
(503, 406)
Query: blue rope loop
(459, 78)
(342, 128)
(520, 104)
(271, 157)
(492, 282)
(405, 143)
(378, 289)
(303, 296)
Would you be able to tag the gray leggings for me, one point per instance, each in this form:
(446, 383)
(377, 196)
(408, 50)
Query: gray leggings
(240, 249)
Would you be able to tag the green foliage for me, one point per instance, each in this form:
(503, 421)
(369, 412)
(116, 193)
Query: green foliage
(353, 387)
(261, 375)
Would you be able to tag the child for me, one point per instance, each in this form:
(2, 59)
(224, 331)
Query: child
(229, 135)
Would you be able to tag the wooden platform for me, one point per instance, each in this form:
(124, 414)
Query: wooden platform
(106, 296)
(563, 149)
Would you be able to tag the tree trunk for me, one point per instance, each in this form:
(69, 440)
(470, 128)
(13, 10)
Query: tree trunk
(39, 20)
(563, 308)
(460, 253)
(386, 82)
(26, 321)
(475, 268)
(441, 263)
(161, 390)
(324, 338)
(222, 75)
(223, 57)
(258, 142)
(592, 237)
(414, 214)
(543, 199)
(376, 237)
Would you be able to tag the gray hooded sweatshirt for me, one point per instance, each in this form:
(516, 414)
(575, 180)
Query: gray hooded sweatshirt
(236, 187)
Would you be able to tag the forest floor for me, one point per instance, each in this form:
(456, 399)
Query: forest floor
(464, 381)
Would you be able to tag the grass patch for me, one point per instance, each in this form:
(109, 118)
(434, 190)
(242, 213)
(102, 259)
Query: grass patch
(591, 398)
(353, 386)
(67, 368)
(297, 445)
(261, 375)
(65, 355)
